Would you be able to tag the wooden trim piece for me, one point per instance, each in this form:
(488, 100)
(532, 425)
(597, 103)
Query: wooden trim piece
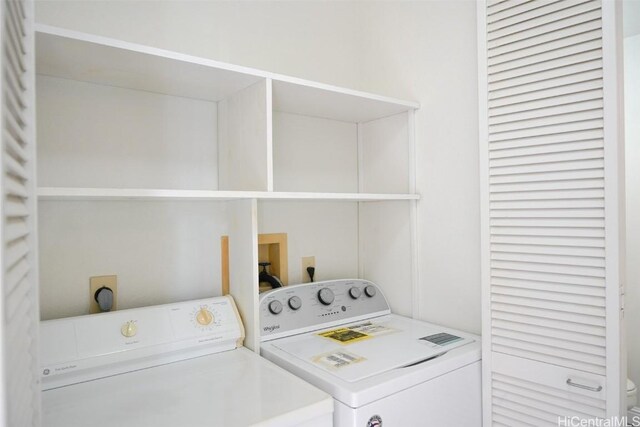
(224, 264)
(274, 247)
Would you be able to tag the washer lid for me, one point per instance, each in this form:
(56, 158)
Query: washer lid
(361, 350)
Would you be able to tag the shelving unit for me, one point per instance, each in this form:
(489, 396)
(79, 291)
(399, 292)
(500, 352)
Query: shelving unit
(250, 151)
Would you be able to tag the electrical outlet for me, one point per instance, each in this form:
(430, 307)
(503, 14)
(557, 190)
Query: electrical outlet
(307, 261)
(95, 283)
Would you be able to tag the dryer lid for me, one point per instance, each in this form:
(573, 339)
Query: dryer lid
(361, 350)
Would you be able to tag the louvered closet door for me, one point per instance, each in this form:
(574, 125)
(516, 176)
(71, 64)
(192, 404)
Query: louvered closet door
(19, 315)
(549, 150)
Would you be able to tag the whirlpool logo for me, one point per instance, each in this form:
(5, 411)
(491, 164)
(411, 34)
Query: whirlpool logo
(271, 328)
(375, 421)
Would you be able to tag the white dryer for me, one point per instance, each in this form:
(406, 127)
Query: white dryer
(382, 369)
(168, 366)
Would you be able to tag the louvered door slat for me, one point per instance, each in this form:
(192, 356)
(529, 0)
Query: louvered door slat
(563, 334)
(513, 10)
(15, 230)
(497, 6)
(16, 251)
(19, 314)
(545, 276)
(544, 60)
(559, 251)
(555, 148)
(531, 23)
(549, 201)
(17, 297)
(548, 140)
(512, 418)
(584, 26)
(16, 150)
(17, 30)
(564, 194)
(535, 69)
(550, 315)
(513, 39)
(552, 203)
(539, 9)
(553, 74)
(549, 258)
(569, 37)
(546, 322)
(524, 395)
(13, 128)
(566, 288)
(591, 353)
(592, 250)
(578, 152)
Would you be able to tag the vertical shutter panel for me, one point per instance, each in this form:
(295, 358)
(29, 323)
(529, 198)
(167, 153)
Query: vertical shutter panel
(545, 275)
(19, 308)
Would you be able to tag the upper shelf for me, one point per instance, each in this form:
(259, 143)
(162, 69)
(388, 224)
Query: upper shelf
(85, 57)
(67, 193)
(94, 59)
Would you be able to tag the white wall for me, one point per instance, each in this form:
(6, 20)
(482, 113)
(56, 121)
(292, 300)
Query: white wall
(314, 40)
(632, 160)
(422, 50)
(427, 51)
(155, 248)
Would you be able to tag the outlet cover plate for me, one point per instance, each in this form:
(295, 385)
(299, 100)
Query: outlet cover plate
(307, 261)
(95, 283)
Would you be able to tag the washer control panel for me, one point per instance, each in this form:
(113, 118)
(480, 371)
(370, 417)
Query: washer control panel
(309, 306)
(77, 346)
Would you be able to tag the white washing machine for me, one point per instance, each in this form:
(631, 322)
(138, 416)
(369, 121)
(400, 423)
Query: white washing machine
(167, 366)
(382, 369)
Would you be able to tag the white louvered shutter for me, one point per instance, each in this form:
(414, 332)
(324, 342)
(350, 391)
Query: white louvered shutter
(19, 316)
(550, 139)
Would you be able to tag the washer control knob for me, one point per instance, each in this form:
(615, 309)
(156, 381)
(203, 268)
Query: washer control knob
(275, 307)
(325, 295)
(295, 303)
(129, 329)
(355, 292)
(370, 291)
(204, 317)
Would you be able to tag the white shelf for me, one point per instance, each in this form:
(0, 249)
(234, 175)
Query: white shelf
(94, 59)
(291, 95)
(69, 193)
(84, 57)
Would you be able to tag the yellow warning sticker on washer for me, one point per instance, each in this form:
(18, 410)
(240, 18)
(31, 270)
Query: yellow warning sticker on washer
(344, 335)
(337, 359)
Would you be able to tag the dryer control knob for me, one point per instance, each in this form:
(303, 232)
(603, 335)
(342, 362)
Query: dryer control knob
(275, 307)
(129, 329)
(204, 317)
(325, 295)
(355, 292)
(370, 291)
(295, 303)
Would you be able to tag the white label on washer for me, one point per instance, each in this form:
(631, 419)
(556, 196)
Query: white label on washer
(337, 359)
(370, 328)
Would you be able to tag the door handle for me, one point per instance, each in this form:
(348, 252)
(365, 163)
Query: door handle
(584, 387)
